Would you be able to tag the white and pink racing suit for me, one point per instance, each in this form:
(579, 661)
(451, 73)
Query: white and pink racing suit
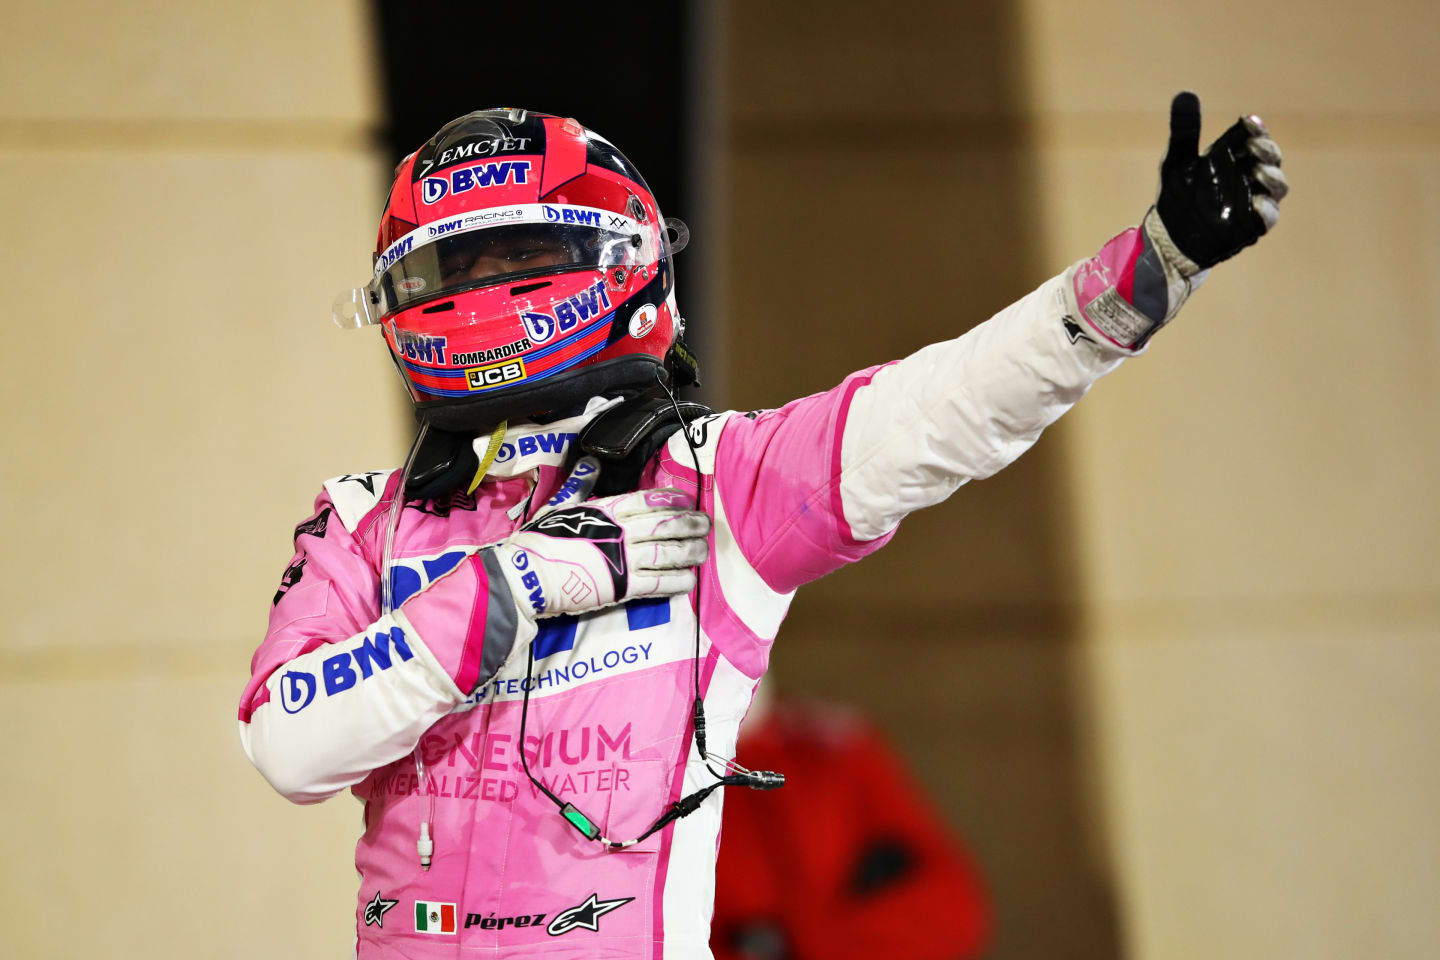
(342, 697)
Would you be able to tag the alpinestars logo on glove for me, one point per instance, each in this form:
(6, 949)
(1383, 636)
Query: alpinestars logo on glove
(587, 523)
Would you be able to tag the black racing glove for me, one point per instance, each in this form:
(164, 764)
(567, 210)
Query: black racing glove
(1211, 206)
(1215, 204)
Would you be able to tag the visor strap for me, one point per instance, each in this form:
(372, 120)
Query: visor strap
(496, 438)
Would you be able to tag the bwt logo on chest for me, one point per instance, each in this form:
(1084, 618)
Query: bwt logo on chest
(434, 189)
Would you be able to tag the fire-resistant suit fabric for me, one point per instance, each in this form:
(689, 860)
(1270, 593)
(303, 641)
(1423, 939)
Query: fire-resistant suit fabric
(342, 697)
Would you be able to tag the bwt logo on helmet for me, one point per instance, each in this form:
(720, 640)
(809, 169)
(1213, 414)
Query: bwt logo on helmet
(442, 228)
(434, 189)
(569, 313)
(298, 687)
(418, 346)
(397, 250)
(571, 215)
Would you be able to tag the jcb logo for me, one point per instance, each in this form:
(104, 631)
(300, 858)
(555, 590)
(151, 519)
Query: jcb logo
(496, 374)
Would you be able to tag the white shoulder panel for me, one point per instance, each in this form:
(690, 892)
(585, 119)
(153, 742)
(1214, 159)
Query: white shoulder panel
(705, 435)
(355, 494)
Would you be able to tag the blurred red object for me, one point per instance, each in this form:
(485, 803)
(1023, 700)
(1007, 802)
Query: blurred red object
(848, 859)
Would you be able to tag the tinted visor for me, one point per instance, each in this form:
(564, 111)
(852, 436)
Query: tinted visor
(482, 248)
(498, 254)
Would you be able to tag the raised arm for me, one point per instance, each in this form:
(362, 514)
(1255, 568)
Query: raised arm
(826, 479)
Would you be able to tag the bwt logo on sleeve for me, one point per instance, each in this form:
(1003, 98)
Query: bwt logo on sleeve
(529, 579)
(298, 688)
(435, 189)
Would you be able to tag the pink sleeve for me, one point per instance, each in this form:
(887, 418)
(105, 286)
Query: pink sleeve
(337, 690)
(778, 475)
(329, 591)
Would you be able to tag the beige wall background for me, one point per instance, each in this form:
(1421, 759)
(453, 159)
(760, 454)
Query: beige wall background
(1259, 536)
(1174, 674)
(185, 187)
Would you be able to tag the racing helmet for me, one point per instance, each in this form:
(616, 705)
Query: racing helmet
(522, 266)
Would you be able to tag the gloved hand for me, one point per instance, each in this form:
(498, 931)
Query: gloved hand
(578, 556)
(1211, 206)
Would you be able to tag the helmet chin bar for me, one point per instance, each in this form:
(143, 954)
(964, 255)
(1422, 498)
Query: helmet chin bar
(629, 374)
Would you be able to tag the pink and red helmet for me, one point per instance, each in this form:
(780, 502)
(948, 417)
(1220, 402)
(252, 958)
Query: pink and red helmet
(522, 267)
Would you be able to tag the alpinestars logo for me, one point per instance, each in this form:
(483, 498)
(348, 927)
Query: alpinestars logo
(587, 915)
(700, 430)
(588, 523)
(575, 525)
(375, 910)
(366, 480)
(1074, 331)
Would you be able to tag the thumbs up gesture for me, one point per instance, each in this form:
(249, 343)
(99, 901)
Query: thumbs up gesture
(1211, 206)
(1215, 204)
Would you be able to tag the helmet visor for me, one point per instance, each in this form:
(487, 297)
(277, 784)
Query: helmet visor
(501, 245)
(487, 247)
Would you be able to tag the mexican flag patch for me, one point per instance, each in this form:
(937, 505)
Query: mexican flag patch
(431, 917)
